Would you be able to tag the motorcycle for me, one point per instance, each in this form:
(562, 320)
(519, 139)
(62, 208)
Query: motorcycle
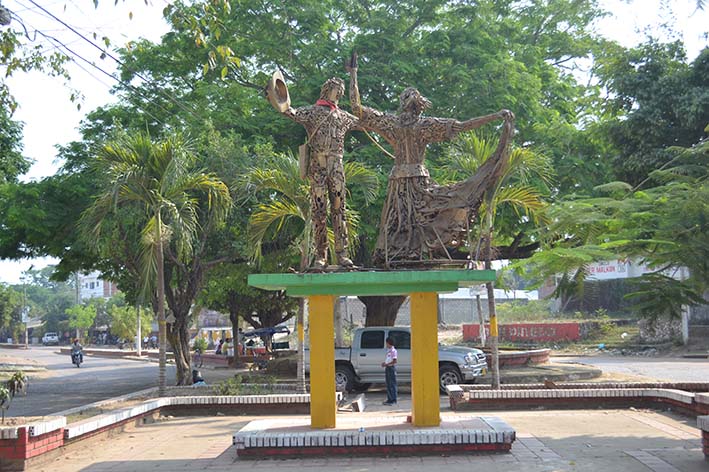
(76, 358)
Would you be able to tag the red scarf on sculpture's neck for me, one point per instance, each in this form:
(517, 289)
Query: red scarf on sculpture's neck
(327, 103)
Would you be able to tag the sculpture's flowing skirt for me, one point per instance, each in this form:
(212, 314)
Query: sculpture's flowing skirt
(422, 220)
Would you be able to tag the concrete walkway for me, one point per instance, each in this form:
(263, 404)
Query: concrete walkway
(583, 440)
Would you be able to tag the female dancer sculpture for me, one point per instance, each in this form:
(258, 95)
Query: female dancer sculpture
(420, 219)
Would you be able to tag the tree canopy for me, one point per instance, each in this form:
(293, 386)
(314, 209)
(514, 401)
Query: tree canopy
(204, 80)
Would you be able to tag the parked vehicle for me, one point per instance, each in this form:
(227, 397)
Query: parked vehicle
(50, 338)
(356, 368)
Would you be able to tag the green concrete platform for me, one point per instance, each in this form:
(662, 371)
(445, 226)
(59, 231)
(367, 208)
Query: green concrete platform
(401, 282)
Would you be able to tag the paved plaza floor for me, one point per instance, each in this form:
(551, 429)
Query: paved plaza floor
(547, 440)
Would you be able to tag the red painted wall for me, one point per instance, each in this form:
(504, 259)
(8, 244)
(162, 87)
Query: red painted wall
(527, 332)
(25, 446)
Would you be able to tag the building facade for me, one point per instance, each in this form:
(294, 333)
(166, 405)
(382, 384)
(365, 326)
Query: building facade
(92, 286)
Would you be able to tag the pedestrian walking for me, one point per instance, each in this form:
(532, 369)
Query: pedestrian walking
(389, 365)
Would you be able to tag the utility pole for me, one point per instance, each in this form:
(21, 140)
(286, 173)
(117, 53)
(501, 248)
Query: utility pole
(139, 341)
(78, 296)
(25, 311)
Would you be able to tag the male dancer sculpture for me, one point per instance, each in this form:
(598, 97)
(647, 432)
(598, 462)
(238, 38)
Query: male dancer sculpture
(326, 125)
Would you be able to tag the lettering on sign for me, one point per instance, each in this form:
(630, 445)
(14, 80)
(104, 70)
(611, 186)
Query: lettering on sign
(527, 332)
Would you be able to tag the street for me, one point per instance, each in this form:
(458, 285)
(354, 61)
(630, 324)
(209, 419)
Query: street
(97, 379)
(101, 378)
(654, 368)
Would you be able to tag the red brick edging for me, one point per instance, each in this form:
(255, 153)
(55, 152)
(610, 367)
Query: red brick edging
(390, 450)
(703, 424)
(23, 446)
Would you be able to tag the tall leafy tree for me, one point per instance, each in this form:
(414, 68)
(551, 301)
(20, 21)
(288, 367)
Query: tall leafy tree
(12, 162)
(49, 298)
(81, 317)
(124, 320)
(663, 224)
(469, 58)
(159, 178)
(10, 307)
(661, 101)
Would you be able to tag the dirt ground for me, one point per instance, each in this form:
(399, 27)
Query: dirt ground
(9, 364)
(6, 359)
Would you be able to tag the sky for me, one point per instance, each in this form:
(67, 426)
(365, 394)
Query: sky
(51, 119)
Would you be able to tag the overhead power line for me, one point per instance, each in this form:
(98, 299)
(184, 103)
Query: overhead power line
(73, 55)
(125, 84)
(108, 54)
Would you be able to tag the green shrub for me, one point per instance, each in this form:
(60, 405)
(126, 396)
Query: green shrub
(5, 399)
(233, 386)
(532, 310)
(14, 385)
(237, 386)
(200, 345)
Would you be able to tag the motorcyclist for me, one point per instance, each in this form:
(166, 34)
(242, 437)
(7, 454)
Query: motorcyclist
(77, 348)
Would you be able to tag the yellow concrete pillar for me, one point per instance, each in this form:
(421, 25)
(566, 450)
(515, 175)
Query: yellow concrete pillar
(426, 407)
(493, 325)
(323, 402)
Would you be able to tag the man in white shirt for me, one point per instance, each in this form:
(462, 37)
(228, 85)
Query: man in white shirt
(389, 365)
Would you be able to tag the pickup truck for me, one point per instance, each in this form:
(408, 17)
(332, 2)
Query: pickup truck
(356, 368)
(50, 338)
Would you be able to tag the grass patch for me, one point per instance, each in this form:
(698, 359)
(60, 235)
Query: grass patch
(237, 386)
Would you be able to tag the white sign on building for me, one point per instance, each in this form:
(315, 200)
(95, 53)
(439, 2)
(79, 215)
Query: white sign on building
(618, 269)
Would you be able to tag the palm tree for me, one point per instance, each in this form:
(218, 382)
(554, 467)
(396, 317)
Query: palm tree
(288, 205)
(521, 187)
(158, 178)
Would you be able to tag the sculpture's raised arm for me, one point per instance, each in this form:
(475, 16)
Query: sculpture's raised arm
(370, 119)
(479, 121)
(444, 129)
(355, 101)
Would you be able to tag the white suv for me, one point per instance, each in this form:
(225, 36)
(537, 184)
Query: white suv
(50, 338)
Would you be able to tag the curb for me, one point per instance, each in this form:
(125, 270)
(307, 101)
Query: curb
(540, 377)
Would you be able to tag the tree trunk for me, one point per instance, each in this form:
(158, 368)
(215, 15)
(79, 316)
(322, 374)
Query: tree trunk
(162, 328)
(483, 335)
(382, 310)
(267, 342)
(495, 367)
(234, 318)
(305, 250)
(300, 329)
(179, 340)
(338, 321)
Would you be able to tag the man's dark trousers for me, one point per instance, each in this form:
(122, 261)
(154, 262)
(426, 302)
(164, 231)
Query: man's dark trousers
(390, 376)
